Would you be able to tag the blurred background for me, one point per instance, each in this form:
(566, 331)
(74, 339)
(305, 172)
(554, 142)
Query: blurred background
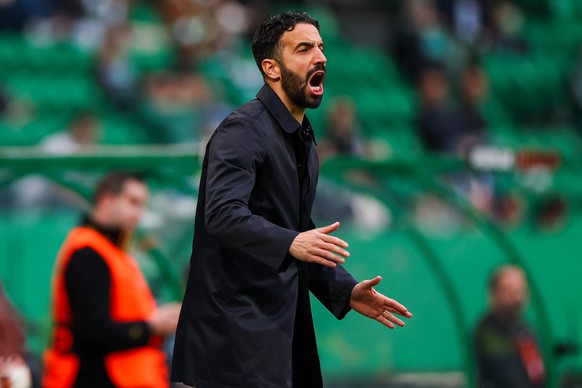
(449, 141)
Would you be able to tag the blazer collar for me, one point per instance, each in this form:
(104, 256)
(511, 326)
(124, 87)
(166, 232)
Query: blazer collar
(275, 106)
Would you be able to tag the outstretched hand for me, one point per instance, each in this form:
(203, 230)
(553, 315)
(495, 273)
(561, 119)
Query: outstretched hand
(318, 246)
(372, 304)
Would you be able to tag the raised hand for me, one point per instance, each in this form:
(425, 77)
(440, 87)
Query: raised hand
(318, 246)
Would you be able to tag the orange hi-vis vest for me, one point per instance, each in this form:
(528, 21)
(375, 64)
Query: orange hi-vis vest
(131, 300)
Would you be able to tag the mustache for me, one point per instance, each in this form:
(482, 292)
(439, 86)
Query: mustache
(318, 67)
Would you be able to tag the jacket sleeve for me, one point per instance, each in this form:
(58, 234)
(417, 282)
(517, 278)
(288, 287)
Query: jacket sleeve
(88, 285)
(235, 154)
(332, 287)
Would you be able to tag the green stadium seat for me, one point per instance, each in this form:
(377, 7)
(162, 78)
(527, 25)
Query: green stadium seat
(567, 9)
(535, 7)
(18, 54)
(531, 88)
(558, 40)
(393, 105)
(119, 130)
(10, 47)
(64, 92)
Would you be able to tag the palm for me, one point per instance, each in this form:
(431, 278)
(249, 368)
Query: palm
(374, 305)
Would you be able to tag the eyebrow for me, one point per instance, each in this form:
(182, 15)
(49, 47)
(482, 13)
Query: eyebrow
(308, 44)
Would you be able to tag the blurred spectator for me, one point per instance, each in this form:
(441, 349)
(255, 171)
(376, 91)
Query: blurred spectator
(342, 131)
(13, 108)
(506, 207)
(15, 14)
(507, 26)
(474, 87)
(550, 212)
(508, 354)
(4, 103)
(575, 89)
(447, 127)
(200, 28)
(14, 369)
(38, 192)
(82, 132)
(110, 12)
(467, 18)
(421, 38)
(107, 328)
(175, 107)
(115, 71)
(343, 137)
(438, 129)
(93, 25)
(82, 22)
(453, 129)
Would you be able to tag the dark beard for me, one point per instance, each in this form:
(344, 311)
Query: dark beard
(296, 87)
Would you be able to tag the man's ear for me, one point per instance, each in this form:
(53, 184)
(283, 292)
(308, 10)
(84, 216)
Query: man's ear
(271, 69)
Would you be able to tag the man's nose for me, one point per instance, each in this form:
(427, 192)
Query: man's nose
(320, 57)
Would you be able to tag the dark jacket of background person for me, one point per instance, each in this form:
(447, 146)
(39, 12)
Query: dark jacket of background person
(101, 304)
(246, 312)
(503, 351)
(507, 352)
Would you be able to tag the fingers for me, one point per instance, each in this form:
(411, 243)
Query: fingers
(325, 236)
(335, 249)
(394, 307)
(389, 304)
(317, 246)
(388, 319)
(324, 262)
(334, 240)
(330, 251)
(327, 255)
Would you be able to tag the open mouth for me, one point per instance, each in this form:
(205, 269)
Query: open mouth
(316, 82)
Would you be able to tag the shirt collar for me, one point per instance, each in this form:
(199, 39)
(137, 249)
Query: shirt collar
(115, 235)
(275, 106)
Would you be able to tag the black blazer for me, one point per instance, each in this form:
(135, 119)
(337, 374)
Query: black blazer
(246, 319)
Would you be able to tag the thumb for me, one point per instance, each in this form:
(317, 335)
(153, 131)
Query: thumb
(372, 282)
(330, 228)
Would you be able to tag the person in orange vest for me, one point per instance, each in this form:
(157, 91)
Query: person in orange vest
(107, 330)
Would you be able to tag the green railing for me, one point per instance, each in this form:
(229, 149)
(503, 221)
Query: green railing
(165, 163)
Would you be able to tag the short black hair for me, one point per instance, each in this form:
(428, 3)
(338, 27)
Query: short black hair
(113, 182)
(267, 37)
